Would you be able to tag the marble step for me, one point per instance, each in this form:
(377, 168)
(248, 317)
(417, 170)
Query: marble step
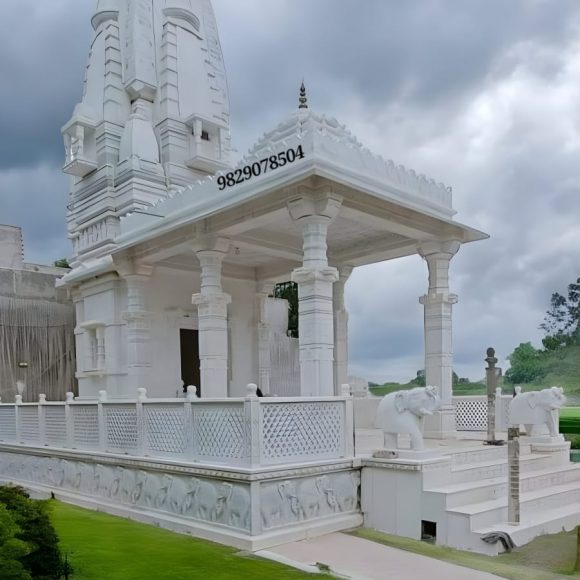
(457, 494)
(483, 455)
(550, 521)
(533, 503)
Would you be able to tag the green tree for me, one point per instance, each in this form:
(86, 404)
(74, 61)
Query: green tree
(62, 263)
(289, 291)
(12, 549)
(32, 517)
(561, 320)
(525, 364)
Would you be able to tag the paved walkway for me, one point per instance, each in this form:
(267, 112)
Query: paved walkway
(362, 559)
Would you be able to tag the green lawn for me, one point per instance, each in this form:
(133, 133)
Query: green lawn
(471, 389)
(570, 420)
(546, 558)
(103, 547)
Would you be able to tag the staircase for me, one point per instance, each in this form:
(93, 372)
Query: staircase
(468, 498)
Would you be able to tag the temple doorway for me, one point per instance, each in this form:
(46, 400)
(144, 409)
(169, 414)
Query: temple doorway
(189, 343)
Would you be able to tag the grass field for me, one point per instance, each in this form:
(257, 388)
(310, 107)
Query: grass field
(546, 558)
(458, 390)
(570, 420)
(103, 547)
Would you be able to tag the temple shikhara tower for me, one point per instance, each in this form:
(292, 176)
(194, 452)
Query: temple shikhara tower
(185, 265)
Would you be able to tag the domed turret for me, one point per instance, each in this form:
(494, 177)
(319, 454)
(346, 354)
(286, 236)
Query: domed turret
(106, 10)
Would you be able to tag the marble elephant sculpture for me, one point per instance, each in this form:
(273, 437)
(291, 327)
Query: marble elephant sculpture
(534, 408)
(403, 412)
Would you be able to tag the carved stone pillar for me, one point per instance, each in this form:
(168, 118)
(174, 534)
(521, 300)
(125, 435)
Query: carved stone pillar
(340, 331)
(138, 332)
(263, 328)
(314, 213)
(212, 304)
(438, 306)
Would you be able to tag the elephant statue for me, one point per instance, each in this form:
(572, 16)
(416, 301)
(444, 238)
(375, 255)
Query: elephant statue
(535, 408)
(403, 412)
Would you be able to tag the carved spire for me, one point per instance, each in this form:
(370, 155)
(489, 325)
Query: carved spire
(303, 98)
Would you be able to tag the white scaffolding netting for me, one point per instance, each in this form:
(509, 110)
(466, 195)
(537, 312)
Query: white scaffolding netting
(41, 334)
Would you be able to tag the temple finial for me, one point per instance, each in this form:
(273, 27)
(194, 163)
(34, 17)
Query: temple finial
(303, 98)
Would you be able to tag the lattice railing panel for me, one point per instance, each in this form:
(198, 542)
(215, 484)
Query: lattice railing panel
(7, 424)
(505, 402)
(218, 432)
(471, 414)
(55, 425)
(121, 427)
(292, 431)
(165, 429)
(29, 428)
(85, 426)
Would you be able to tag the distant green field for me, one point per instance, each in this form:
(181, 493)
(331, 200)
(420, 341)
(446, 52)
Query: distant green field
(472, 389)
(570, 420)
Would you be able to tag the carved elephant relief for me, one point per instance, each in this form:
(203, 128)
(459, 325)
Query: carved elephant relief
(279, 503)
(346, 490)
(233, 506)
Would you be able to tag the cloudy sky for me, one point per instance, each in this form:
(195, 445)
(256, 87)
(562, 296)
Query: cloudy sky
(481, 94)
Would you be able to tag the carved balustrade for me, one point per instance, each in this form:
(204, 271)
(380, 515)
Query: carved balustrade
(246, 432)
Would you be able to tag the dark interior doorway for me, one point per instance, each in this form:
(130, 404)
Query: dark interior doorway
(189, 342)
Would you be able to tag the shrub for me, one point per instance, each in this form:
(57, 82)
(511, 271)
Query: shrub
(35, 528)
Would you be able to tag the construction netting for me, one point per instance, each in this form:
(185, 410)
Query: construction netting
(36, 347)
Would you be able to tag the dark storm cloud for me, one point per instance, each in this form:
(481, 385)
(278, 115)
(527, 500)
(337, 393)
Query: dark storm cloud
(481, 94)
(43, 49)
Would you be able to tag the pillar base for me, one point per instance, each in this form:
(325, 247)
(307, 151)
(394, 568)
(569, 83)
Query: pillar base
(441, 425)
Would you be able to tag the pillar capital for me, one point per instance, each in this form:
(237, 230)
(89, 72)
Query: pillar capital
(438, 298)
(436, 247)
(207, 243)
(212, 300)
(317, 206)
(305, 275)
(128, 267)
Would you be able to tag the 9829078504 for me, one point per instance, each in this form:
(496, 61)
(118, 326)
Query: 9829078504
(260, 167)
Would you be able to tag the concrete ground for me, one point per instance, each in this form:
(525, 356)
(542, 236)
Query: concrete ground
(361, 559)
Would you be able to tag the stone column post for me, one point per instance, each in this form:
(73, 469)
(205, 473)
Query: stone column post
(340, 330)
(212, 304)
(438, 304)
(138, 328)
(314, 213)
(263, 327)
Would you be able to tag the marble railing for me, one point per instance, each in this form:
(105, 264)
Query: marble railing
(249, 432)
(471, 412)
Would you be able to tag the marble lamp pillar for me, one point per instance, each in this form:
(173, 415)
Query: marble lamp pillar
(212, 304)
(438, 310)
(314, 213)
